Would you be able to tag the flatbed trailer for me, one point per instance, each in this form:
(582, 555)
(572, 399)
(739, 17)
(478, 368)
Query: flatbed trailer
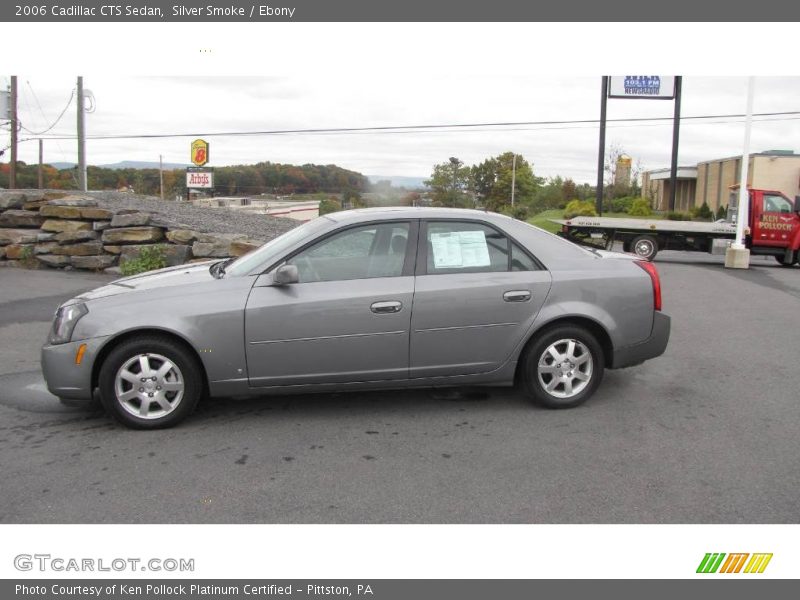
(772, 229)
(645, 237)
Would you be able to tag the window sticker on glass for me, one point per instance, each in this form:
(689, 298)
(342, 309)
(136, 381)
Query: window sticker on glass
(459, 249)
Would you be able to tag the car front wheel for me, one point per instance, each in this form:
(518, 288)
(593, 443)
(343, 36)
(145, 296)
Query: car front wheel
(563, 367)
(150, 382)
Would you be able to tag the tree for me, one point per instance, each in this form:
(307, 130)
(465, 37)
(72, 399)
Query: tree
(449, 182)
(569, 191)
(483, 177)
(493, 179)
(550, 195)
(411, 199)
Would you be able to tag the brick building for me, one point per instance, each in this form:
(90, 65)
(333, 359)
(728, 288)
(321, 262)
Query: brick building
(711, 180)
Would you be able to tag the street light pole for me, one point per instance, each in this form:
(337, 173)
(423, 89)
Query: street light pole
(738, 256)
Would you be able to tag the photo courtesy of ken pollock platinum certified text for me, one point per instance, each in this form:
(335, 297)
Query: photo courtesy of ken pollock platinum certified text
(193, 589)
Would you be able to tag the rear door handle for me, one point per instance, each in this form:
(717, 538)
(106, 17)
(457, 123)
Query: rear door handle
(389, 306)
(517, 296)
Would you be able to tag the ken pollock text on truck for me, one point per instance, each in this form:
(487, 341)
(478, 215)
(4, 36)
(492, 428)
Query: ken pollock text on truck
(773, 229)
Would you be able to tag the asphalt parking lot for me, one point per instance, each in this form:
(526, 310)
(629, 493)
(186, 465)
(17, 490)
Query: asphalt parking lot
(708, 433)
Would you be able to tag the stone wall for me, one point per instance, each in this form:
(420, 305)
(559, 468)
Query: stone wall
(67, 230)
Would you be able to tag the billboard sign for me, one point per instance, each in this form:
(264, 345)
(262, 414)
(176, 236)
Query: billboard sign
(650, 87)
(200, 152)
(199, 178)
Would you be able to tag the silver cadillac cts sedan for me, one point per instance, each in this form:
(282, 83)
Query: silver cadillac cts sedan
(363, 299)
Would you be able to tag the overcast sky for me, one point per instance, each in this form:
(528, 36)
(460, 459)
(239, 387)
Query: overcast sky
(158, 105)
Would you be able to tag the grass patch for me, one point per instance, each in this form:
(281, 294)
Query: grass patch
(149, 259)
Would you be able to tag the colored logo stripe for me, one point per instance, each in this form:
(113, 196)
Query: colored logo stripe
(758, 563)
(733, 564)
(710, 563)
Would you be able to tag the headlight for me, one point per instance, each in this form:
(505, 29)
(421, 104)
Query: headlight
(66, 319)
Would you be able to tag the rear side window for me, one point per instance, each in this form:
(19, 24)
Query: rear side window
(467, 247)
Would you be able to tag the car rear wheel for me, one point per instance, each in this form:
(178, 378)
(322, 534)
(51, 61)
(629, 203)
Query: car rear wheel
(150, 382)
(645, 246)
(563, 367)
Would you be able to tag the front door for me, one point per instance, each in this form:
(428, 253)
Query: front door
(776, 222)
(348, 317)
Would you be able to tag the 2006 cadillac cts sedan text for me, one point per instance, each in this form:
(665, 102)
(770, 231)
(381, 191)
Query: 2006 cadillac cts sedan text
(364, 299)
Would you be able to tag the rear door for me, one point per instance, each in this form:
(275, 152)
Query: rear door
(348, 318)
(477, 293)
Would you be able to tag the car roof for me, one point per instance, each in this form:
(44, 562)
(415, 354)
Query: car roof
(408, 212)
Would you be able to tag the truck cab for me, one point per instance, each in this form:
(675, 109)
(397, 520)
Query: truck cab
(774, 224)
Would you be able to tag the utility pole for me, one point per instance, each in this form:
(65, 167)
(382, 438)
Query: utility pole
(676, 130)
(601, 155)
(161, 175)
(41, 161)
(12, 175)
(81, 138)
(513, 177)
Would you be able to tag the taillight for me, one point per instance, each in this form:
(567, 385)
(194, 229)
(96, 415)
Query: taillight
(651, 270)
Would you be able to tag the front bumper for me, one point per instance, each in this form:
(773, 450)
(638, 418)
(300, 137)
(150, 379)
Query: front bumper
(653, 346)
(66, 379)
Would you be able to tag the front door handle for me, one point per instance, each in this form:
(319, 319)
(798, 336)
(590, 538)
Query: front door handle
(517, 296)
(389, 306)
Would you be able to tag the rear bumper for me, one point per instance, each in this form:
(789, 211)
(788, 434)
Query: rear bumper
(66, 379)
(653, 346)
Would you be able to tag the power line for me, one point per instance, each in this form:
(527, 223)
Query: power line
(412, 128)
(58, 119)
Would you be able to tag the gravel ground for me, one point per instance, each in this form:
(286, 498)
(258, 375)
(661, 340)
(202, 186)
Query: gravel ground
(207, 220)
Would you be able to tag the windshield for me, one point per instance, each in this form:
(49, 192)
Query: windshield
(247, 263)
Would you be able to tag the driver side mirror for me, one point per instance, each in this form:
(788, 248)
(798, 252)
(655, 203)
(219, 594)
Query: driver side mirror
(285, 275)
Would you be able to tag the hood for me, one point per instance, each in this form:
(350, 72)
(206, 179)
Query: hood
(182, 274)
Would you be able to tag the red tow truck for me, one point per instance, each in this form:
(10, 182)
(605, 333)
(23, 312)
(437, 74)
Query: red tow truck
(773, 229)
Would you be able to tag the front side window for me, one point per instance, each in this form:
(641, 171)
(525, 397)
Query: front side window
(357, 253)
(774, 203)
(464, 247)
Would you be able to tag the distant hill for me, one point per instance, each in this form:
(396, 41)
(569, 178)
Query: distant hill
(125, 164)
(234, 180)
(411, 183)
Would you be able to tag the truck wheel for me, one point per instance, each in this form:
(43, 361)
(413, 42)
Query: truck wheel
(150, 382)
(645, 246)
(779, 260)
(563, 367)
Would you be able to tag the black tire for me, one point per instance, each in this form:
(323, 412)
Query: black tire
(535, 386)
(644, 246)
(186, 371)
(779, 260)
